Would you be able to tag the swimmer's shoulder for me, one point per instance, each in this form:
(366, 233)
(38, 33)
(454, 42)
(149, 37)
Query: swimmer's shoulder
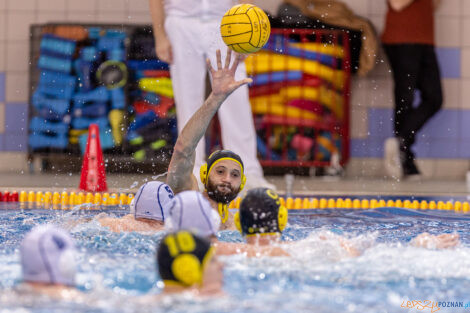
(229, 248)
(263, 251)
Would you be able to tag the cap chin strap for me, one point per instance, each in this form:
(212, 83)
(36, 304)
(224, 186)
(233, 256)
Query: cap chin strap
(223, 211)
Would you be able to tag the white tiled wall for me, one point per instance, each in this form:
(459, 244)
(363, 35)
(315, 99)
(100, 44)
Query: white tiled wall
(452, 28)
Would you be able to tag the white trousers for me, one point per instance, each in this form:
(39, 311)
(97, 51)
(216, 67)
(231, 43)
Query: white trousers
(193, 40)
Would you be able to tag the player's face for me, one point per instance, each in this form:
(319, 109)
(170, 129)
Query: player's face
(224, 181)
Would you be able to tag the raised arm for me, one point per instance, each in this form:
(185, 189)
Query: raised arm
(180, 171)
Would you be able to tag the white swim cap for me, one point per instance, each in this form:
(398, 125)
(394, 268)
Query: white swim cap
(48, 256)
(152, 201)
(192, 211)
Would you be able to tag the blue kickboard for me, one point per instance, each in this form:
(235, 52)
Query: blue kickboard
(108, 43)
(151, 97)
(95, 109)
(118, 100)
(99, 94)
(51, 63)
(147, 65)
(55, 84)
(57, 45)
(275, 77)
(84, 123)
(37, 141)
(263, 151)
(40, 125)
(116, 54)
(278, 44)
(57, 106)
(142, 120)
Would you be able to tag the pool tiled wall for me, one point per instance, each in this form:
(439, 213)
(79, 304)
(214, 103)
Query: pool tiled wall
(443, 145)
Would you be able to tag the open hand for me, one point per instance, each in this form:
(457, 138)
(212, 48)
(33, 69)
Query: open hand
(223, 79)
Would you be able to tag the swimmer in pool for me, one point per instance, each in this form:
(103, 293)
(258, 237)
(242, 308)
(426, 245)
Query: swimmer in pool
(261, 220)
(147, 210)
(48, 263)
(223, 174)
(190, 210)
(186, 263)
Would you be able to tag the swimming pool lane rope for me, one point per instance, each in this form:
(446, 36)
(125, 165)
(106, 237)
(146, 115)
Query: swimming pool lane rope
(67, 200)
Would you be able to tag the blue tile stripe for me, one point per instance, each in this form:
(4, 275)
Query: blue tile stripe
(15, 137)
(446, 135)
(449, 62)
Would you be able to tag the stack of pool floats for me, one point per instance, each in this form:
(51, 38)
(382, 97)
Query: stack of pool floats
(68, 200)
(75, 90)
(297, 98)
(109, 77)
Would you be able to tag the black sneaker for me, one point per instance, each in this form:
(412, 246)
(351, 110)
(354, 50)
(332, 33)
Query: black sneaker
(410, 168)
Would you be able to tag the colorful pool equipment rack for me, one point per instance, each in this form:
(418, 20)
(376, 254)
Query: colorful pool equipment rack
(66, 200)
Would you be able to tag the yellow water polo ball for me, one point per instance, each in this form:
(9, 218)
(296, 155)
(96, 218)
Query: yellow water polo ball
(245, 28)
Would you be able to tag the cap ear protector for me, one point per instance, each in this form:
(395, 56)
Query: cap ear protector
(188, 256)
(282, 217)
(236, 221)
(216, 157)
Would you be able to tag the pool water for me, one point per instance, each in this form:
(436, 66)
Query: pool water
(116, 270)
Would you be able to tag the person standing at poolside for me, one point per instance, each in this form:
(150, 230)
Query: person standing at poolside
(408, 41)
(187, 32)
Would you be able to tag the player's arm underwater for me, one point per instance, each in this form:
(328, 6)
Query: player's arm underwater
(180, 176)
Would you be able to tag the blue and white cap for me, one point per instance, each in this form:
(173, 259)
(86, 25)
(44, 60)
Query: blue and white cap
(48, 256)
(152, 201)
(192, 211)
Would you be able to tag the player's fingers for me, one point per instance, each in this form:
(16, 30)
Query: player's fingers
(236, 62)
(243, 82)
(228, 58)
(209, 65)
(219, 60)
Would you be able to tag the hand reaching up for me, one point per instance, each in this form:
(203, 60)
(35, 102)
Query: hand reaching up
(223, 79)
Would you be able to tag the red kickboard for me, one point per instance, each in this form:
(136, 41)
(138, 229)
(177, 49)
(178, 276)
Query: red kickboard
(273, 88)
(156, 73)
(160, 109)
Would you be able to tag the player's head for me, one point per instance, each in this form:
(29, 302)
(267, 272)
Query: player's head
(48, 256)
(152, 201)
(223, 176)
(261, 213)
(185, 259)
(190, 210)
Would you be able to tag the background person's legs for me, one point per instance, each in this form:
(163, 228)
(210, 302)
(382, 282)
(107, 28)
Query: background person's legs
(429, 85)
(405, 63)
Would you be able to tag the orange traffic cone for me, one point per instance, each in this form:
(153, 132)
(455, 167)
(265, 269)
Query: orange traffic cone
(93, 177)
